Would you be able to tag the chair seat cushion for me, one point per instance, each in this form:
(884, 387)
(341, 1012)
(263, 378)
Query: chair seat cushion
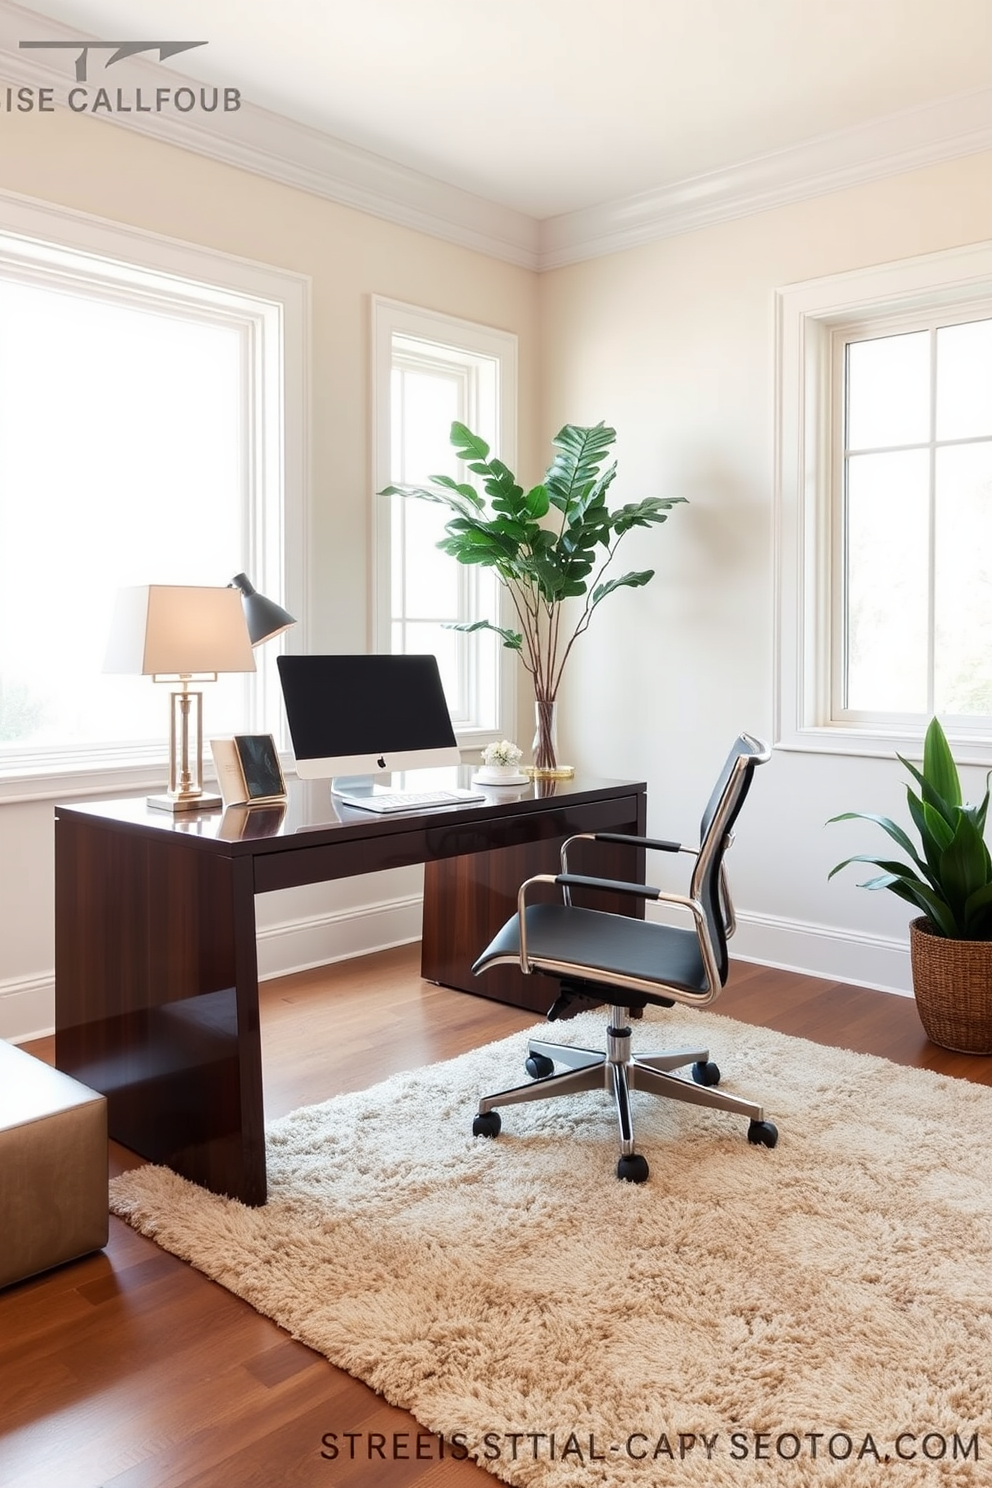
(599, 946)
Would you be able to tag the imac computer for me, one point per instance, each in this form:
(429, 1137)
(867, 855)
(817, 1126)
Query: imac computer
(356, 719)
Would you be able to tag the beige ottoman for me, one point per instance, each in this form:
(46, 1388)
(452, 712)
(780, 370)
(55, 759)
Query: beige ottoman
(53, 1167)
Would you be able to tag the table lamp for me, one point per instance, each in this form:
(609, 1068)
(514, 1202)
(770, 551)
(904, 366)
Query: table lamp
(177, 633)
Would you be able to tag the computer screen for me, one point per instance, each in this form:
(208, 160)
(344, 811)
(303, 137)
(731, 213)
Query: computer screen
(366, 715)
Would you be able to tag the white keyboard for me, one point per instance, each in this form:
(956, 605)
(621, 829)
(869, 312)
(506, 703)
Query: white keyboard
(383, 801)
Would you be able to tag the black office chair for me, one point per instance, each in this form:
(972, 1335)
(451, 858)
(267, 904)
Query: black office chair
(629, 962)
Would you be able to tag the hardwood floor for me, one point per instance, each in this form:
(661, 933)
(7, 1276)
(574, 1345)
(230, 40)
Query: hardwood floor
(131, 1370)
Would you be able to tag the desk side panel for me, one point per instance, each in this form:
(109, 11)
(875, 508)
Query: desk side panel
(152, 941)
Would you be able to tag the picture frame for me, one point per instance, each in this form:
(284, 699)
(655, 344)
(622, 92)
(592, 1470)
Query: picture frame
(248, 770)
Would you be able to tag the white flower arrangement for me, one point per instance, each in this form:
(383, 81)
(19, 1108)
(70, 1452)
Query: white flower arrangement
(503, 753)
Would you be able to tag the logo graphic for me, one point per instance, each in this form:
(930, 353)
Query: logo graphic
(120, 49)
(203, 98)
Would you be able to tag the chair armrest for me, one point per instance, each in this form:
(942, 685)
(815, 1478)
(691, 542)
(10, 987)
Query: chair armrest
(624, 839)
(659, 844)
(615, 885)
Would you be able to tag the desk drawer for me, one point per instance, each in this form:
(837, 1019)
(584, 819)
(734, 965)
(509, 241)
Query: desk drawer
(439, 838)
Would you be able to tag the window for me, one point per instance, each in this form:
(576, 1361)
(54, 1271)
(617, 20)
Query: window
(430, 370)
(914, 507)
(885, 506)
(142, 437)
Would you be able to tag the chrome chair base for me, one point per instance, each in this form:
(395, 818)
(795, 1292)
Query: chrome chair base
(620, 1071)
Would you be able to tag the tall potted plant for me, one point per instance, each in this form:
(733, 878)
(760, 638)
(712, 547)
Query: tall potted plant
(546, 545)
(949, 878)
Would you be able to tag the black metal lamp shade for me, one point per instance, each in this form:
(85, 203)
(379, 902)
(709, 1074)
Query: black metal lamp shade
(263, 616)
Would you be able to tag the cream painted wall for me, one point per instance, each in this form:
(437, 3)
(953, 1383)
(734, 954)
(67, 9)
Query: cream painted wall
(672, 343)
(104, 170)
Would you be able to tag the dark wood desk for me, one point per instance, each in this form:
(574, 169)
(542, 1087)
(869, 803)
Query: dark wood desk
(156, 977)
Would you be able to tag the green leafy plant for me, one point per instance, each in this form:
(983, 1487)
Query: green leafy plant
(546, 545)
(950, 877)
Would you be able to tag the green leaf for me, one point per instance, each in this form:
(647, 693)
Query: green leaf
(938, 764)
(644, 513)
(923, 897)
(892, 866)
(468, 446)
(512, 639)
(588, 499)
(537, 502)
(930, 795)
(440, 498)
(963, 868)
(600, 488)
(978, 913)
(467, 554)
(575, 468)
(887, 824)
(469, 492)
(935, 833)
(979, 813)
(627, 581)
(516, 531)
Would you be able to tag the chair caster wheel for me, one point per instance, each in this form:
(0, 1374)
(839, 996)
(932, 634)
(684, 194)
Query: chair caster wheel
(633, 1169)
(706, 1074)
(762, 1133)
(538, 1066)
(487, 1125)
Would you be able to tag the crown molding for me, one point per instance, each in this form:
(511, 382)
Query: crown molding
(267, 144)
(910, 140)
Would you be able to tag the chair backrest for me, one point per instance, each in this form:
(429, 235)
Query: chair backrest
(722, 810)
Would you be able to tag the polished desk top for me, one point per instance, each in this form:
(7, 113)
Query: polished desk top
(311, 816)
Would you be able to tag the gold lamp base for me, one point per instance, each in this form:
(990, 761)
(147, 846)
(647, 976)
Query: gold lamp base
(198, 802)
(185, 792)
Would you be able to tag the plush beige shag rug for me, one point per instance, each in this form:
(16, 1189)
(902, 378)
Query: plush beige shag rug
(818, 1314)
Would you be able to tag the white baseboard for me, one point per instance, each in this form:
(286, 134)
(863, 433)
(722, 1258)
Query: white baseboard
(27, 1008)
(879, 961)
(27, 1004)
(297, 945)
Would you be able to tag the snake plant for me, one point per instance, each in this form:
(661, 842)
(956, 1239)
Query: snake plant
(949, 876)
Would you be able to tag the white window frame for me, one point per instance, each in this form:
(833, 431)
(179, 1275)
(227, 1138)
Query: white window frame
(808, 566)
(392, 318)
(54, 246)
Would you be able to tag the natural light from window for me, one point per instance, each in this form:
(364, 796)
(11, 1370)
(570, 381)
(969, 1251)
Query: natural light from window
(120, 463)
(917, 523)
(432, 370)
(426, 585)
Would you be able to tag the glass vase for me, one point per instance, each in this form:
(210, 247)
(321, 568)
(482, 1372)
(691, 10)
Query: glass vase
(546, 765)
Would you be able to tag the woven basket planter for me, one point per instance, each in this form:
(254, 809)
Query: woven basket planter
(952, 982)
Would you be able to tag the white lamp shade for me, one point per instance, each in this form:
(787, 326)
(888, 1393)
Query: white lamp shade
(177, 630)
